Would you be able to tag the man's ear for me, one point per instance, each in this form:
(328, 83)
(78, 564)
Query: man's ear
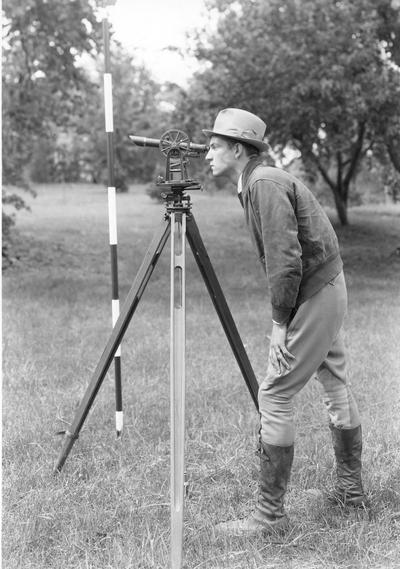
(238, 150)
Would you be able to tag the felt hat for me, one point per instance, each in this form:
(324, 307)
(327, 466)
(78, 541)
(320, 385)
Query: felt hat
(240, 125)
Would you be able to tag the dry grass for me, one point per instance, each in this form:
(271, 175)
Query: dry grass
(110, 506)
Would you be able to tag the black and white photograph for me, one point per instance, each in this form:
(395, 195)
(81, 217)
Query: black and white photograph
(200, 284)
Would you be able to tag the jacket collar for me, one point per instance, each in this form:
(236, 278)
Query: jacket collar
(248, 169)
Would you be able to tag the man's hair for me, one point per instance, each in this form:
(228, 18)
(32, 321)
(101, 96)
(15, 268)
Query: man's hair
(249, 149)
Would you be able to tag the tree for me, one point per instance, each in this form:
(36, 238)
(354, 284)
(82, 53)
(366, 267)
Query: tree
(43, 81)
(324, 75)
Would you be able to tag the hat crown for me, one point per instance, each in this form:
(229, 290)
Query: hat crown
(237, 122)
(240, 125)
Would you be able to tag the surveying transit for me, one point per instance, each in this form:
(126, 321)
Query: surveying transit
(179, 222)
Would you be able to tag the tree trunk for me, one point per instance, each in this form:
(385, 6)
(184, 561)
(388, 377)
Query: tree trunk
(393, 147)
(341, 208)
(340, 189)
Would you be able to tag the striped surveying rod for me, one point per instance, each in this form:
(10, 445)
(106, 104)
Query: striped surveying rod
(112, 216)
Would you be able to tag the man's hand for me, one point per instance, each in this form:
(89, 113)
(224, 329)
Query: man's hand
(278, 353)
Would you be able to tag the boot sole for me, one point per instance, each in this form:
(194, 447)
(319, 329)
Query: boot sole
(238, 528)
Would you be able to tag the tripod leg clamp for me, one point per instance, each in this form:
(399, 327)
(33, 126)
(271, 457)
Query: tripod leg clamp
(72, 436)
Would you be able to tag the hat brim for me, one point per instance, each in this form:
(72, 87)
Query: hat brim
(253, 142)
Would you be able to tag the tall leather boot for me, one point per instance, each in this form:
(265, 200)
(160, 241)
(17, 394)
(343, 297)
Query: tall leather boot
(268, 515)
(347, 445)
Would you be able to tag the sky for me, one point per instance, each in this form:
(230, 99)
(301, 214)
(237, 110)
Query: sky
(147, 27)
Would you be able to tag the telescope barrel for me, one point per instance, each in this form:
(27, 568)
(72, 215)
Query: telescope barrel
(144, 141)
(155, 143)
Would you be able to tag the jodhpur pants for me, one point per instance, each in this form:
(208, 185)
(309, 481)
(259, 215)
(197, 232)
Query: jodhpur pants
(314, 337)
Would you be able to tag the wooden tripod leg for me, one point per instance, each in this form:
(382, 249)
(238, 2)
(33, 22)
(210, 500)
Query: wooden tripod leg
(128, 308)
(177, 382)
(221, 306)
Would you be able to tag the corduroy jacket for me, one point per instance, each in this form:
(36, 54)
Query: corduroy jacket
(293, 236)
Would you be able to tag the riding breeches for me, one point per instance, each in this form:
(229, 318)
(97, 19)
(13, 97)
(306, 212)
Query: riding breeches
(315, 339)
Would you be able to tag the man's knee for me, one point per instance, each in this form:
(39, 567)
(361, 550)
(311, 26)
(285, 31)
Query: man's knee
(277, 420)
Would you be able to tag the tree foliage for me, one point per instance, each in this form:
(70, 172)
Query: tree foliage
(53, 102)
(324, 75)
(43, 84)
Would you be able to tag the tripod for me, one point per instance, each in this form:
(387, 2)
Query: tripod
(179, 223)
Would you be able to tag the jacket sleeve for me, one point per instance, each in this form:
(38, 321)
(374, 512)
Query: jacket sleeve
(276, 220)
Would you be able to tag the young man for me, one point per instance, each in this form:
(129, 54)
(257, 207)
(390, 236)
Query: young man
(299, 251)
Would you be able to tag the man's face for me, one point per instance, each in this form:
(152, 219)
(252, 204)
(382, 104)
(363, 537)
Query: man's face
(221, 156)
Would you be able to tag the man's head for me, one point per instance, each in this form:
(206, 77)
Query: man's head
(236, 136)
(228, 157)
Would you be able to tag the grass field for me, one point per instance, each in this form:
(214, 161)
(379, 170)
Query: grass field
(109, 508)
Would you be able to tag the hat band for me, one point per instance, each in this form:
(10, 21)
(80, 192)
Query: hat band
(235, 132)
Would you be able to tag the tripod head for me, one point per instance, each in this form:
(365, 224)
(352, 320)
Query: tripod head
(175, 145)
